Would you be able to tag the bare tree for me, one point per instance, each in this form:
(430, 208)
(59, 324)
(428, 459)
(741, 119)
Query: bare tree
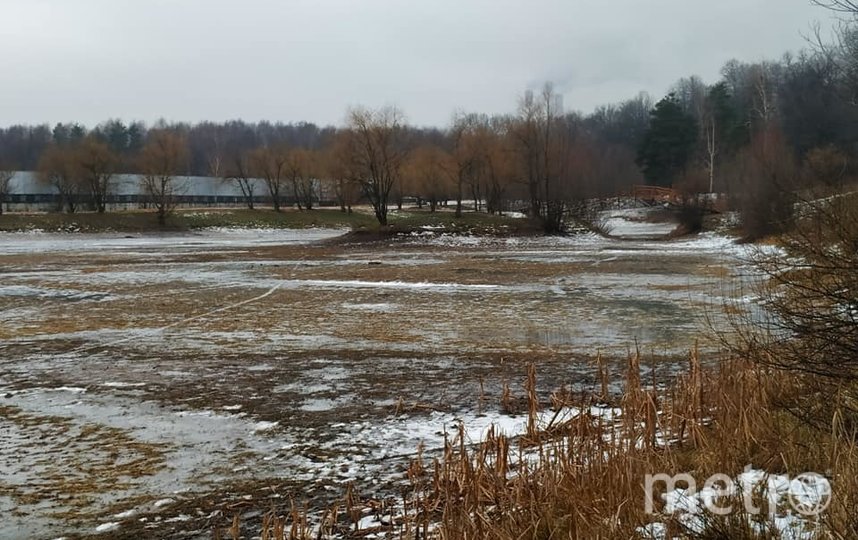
(811, 292)
(477, 181)
(712, 142)
(270, 165)
(525, 131)
(98, 165)
(766, 185)
(427, 174)
(161, 160)
(841, 6)
(468, 135)
(59, 168)
(215, 160)
(826, 169)
(239, 173)
(339, 168)
(543, 147)
(376, 151)
(6, 176)
(301, 167)
(690, 92)
(497, 164)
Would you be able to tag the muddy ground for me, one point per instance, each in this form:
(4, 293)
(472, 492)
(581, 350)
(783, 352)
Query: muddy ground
(153, 386)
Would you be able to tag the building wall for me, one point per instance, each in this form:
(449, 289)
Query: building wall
(28, 194)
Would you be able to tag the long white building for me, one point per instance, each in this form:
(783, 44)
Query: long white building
(27, 193)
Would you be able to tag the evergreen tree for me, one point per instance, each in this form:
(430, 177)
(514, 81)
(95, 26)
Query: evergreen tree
(732, 133)
(668, 144)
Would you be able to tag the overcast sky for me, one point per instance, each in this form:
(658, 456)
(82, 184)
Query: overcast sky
(294, 60)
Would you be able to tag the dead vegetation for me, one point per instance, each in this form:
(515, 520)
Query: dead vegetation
(782, 400)
(577, 475)
(580, 475)
(104, 460)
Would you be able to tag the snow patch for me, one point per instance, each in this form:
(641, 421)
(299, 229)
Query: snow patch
(264, 426)
(107, 527)
(119, 384)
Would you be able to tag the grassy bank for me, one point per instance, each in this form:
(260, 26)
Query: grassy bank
(191, 219)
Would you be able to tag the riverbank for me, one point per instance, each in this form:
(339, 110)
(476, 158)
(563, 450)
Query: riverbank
(361, 221)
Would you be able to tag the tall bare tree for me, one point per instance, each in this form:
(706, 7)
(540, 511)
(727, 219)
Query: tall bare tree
(542, 145)
(302, 169)
(468, 153)
(270, 165)
(526, 132)
(161, 161)
(766, 185)
(499, 171)
(6, 176)
(98, 165)
(710, 130)
(338, 167)
(427, 174)
(376, 150)
(59, 168)
(239, 173)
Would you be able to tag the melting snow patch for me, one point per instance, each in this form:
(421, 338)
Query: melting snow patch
(163, 502)
(260, 367)
(264, 426)
(452, 240)
(372, 308)
(358, 284)
(122, 385)
(72, 389)
(26, 291)
(107, 527)
(126, 514)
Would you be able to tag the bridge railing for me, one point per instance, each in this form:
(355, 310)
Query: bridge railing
(655, 193)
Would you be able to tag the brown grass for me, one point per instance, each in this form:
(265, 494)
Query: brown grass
(583, 477)
(104, 459)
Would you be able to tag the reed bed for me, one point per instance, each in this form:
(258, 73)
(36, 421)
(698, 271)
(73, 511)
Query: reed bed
(580, 475)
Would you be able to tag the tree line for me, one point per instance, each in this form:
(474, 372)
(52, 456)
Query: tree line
(762, 132)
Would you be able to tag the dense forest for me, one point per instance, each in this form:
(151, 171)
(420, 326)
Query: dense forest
(763, 131)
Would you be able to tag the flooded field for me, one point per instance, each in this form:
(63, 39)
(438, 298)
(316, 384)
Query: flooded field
(153, 386)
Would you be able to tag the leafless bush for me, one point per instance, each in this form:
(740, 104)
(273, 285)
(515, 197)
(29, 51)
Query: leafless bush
(810, 294)
(691, 213)
(765, 180)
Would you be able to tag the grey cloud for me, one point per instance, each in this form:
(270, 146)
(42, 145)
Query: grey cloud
(292, 60)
